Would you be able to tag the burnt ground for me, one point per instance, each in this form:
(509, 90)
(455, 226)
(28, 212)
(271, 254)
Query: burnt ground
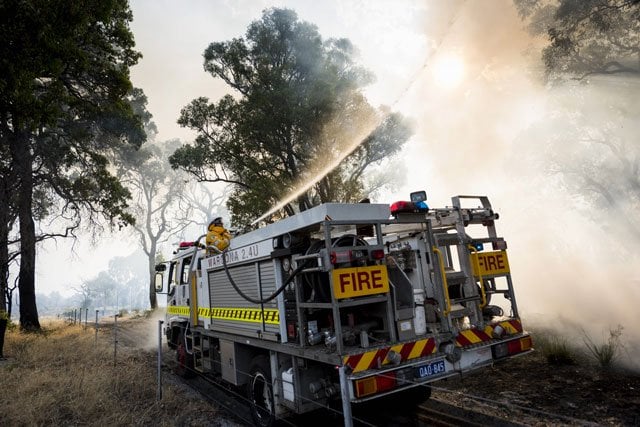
(527, 390)
(531, 391)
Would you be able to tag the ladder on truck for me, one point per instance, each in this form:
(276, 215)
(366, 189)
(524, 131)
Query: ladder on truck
(460, 284)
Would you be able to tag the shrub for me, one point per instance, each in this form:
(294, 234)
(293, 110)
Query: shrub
(556, 349)
(608, 352)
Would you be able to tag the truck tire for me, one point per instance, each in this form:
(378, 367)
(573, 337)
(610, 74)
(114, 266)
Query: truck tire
(184, 360)
(260, 392)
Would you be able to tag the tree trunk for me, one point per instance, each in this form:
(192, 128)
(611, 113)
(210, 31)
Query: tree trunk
(22, 164)
(4, 265)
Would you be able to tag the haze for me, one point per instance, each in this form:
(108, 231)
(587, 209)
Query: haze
(469, 75)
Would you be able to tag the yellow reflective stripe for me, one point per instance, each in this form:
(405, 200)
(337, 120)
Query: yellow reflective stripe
(471, 336)
(252, 315)
(417, 349)
(366, 360)
(179, 310)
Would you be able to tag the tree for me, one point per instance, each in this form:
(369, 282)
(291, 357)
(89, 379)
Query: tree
(64, 79)
(586, 37)
(297, 110)
(159, 204)
(7, 219)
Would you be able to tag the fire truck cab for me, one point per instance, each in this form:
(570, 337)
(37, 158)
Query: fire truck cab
(347, 303)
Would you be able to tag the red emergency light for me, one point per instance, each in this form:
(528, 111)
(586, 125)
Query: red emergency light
(408, 207)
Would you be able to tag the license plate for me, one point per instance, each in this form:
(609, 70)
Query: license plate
(430, 369)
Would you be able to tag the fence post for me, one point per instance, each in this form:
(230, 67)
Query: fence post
(75, 314)
(346, 404)
(159, 393)
(86, 317)
(115, 338)
(97, 326)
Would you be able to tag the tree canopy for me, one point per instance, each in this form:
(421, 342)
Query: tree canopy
(586, 37)
(64, 84)
(297, 107)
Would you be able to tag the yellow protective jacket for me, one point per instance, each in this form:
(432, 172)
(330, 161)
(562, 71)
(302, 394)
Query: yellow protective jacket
(218, 236)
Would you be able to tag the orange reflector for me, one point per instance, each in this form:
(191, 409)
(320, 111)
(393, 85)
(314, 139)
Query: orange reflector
(526, 343)
(366, 386)
(376, 384)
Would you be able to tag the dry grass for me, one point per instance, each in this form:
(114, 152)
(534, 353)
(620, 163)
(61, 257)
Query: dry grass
(62, 377)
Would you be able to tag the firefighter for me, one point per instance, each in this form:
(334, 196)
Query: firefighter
(217, 236)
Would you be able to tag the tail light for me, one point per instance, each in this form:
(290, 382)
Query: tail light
(340, 257)
(346, 256)
(377, 254)
(512, 347)
(375, 384)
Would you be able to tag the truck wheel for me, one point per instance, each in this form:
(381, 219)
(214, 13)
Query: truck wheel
(184, 360)
(260, 392)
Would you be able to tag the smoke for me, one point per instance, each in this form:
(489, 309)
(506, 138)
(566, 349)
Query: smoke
(499, 131)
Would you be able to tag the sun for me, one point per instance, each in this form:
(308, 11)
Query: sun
(448, 71)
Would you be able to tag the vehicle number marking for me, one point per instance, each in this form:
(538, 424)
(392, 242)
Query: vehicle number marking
(431, 369)
(236, 255)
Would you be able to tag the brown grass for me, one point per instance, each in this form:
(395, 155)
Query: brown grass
(63, 377)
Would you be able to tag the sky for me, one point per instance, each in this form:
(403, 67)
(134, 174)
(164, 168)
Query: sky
(469, 76)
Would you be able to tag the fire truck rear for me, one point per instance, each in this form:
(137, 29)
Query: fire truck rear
(345, 303)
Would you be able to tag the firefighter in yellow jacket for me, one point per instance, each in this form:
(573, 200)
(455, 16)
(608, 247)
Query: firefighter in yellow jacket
(217, 236)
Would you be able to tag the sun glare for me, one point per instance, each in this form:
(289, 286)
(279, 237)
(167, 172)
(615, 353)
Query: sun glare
(448, 71)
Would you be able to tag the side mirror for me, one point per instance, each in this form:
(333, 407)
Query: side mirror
(161, 267)
(159, 282)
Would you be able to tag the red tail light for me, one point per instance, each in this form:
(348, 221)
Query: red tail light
(340, 257)
(377, 254)
(512, 347)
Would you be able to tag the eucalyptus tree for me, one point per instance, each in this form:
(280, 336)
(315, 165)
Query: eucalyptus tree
(296, 110)
(64, 82)
(586, 37)
(159, 203)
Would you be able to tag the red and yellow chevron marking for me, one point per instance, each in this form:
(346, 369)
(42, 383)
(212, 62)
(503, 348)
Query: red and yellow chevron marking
(377, 358)
(475, 336)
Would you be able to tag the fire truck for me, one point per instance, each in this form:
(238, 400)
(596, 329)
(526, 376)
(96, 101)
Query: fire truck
(345, 303)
